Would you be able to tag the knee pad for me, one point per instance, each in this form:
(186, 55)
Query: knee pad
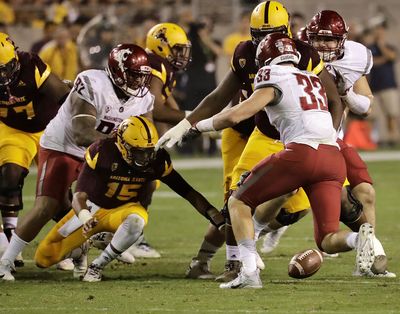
(134, 224)
(285, 218)
(11, 183)
(349, 215)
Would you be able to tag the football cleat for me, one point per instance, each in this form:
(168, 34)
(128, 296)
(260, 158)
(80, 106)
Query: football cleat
(80, 263)
(232, 270)
(271, 240)
(66, 264)
(93, 273)
(144, 250)
(244, 281)
(126, 257)
(6, 267)
(365, 249)
(199, 270)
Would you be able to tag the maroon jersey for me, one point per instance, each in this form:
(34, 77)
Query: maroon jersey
(244, 66)
(164, 71)
(109, 181)
(28, 109)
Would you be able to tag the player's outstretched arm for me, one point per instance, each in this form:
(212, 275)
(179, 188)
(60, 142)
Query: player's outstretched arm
(178, 184)
(246, 109)
(210, 105)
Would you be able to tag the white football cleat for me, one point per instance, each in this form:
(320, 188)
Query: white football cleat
(81, 262)
(144, 250)
(93, 273)
(271, 240)
(6, 267)
(365, 249)
(244, 281)
(66, 265)
(126, 257)
(19, 260)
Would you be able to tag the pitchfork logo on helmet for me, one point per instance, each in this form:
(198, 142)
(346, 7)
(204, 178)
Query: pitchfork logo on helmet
(129, 69)
(327, 32)
(276, 48)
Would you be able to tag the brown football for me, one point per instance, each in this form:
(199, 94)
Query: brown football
(305, 264)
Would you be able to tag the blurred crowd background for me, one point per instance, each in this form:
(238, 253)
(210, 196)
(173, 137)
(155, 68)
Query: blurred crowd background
(74, 35)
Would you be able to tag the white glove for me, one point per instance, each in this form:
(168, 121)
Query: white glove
(174, 135)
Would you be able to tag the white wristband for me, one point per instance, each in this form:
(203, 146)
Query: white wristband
(358, 104)
(205, 125)
(84, 215)
(187, 112)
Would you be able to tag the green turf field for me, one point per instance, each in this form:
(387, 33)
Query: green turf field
(158, 286)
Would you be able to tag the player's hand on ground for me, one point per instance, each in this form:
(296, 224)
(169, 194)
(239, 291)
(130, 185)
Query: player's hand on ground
(173, 135)
(89, 225)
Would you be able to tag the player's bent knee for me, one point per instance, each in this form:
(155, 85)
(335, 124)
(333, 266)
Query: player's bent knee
(11, 184)
(134, 224)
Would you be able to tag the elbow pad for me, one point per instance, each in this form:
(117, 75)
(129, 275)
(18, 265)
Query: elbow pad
(358, 104)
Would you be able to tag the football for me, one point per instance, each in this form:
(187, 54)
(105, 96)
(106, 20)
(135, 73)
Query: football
(305, 264)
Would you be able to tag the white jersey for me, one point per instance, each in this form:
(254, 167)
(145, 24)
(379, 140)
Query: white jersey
(300, 113)
(357, 61)
(95, 87)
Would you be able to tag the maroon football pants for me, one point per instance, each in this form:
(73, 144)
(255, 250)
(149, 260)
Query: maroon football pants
(320, 172)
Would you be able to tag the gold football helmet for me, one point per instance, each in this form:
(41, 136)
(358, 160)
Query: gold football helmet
(136, 139)
(269, 17)
(169, 41)
(9, 65)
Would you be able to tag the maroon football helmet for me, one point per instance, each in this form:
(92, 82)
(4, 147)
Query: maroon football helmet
(129, 69)
(276, 48)
(327, 26)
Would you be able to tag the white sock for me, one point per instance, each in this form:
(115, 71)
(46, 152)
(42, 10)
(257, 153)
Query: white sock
(258, 227)
(378, 248)
(351, 240)
(14, 248)
(3, 242)
(10, 222)
(247, 249)
(127, 234)
(232, 253)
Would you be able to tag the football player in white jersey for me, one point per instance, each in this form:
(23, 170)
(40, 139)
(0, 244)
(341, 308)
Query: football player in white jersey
(349, 62)
(98, 102)
(296, 104)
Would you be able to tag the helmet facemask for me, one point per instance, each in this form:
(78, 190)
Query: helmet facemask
(181, 55)
(137, 82)
(332, 47)
(137, 157)
(259, 34)
(9, 72)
